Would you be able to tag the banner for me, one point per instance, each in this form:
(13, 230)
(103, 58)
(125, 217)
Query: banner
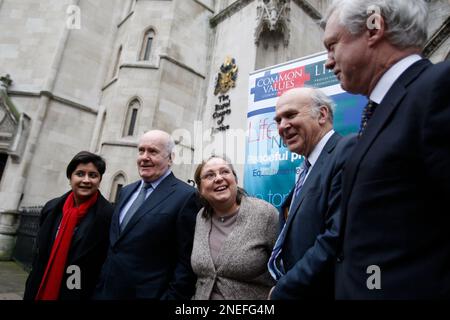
(271, 169)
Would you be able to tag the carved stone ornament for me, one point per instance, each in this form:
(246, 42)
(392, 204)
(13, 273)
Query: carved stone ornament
(14, 126)
(273, 15)
(226, 78)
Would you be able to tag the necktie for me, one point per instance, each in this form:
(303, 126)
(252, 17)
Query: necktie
(275, 264)
(135, 206)
(368, 111)
(301, 178)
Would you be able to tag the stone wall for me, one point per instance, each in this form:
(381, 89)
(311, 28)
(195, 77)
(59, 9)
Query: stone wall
(30, 34)
(58, 75)
(175, 87)
(169, 85)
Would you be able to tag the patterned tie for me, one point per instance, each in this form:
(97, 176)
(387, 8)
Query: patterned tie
(366, 115)
(301, 178)
(135, 206)
(275, 265)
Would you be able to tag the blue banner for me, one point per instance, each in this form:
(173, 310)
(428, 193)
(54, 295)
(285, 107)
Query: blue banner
(271, 169)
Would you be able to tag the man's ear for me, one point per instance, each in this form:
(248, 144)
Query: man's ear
(323, 114)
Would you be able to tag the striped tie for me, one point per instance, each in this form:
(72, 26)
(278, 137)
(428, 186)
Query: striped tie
(301, 178)
(275, 265)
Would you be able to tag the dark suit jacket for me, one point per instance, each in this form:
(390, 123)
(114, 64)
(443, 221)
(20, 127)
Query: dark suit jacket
(87, 251)
(396, 189)
(150, 258)
(309, 250)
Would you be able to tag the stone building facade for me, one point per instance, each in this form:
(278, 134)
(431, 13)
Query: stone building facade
(95, 74)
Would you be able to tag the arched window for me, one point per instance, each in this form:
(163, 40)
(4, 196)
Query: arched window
(3, 160)
(117, 183)
(131, 118)
(116, 63)
(147, 45)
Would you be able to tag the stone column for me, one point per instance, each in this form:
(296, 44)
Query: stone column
(9, 223)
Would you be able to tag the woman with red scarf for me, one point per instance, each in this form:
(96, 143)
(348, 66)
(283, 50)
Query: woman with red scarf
(73, 238)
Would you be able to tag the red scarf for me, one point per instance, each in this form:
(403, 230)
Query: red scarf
(51, 282)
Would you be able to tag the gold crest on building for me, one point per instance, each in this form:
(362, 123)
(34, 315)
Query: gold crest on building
(226, 78)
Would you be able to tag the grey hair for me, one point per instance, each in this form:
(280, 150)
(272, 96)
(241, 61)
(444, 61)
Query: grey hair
(319, 100)
(406, 21)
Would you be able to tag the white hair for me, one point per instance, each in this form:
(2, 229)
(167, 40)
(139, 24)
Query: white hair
(319, 100)
(406, 20)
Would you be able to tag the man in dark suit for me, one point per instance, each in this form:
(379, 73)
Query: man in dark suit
(303, 257)
(152, 230)
(396, 184)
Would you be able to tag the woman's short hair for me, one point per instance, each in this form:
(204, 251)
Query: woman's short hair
(85, 157)
(208, 211)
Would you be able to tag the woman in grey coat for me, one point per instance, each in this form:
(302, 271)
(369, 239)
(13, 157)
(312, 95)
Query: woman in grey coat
(234, 237)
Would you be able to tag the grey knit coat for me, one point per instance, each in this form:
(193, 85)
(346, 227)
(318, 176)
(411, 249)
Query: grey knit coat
(242, 262)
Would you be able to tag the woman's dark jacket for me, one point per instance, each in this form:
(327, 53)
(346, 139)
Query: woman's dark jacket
(87, 251)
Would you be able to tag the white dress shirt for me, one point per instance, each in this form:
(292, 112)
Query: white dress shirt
(314, 155)
(135, 194)
(390, 76)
